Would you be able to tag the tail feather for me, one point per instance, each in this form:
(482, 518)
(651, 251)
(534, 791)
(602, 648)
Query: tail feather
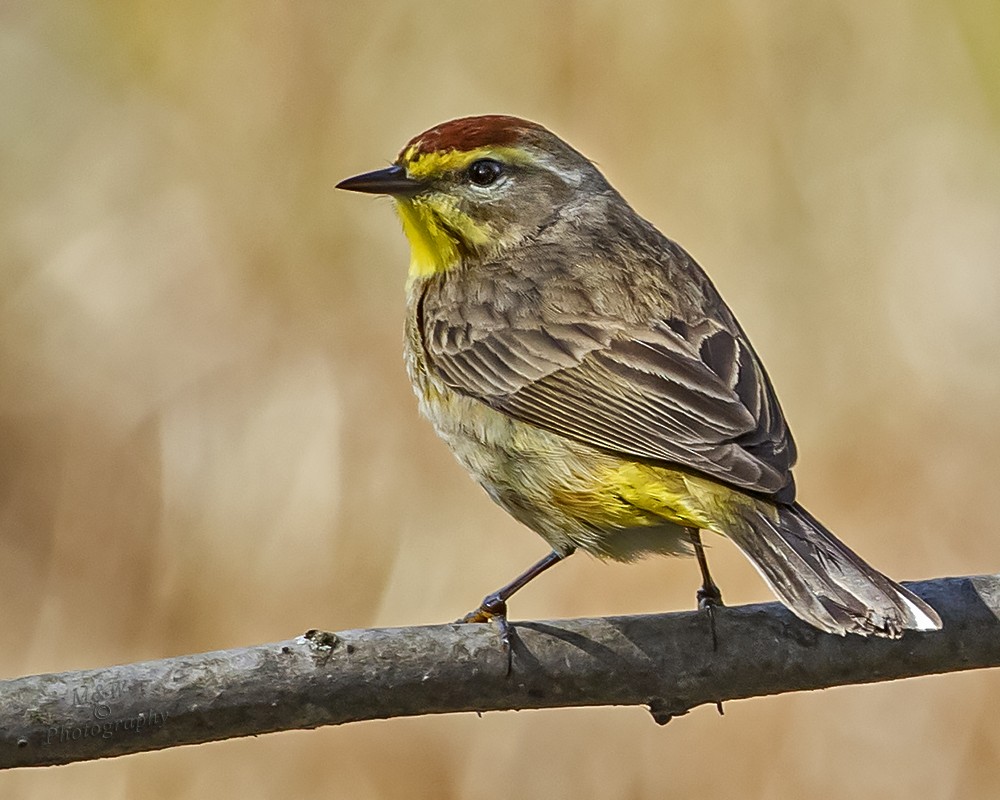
(823, 581)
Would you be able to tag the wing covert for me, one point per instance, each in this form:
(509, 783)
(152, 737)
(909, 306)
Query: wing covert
(693, 395)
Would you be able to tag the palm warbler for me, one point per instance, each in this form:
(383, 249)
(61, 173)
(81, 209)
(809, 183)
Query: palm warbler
(587, 373)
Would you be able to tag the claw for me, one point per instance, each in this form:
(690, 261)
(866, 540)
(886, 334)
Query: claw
(494, 609)
(710, 608)
(494, 606)
(474, 617)
(709, 596)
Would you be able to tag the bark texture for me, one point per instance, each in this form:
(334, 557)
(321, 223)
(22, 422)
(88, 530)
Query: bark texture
(664, 662)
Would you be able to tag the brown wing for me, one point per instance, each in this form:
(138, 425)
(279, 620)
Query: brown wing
(690, 393)
(696, 398)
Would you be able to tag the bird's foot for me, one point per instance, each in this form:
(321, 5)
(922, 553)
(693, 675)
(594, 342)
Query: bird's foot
(494, 609)
(709, 598)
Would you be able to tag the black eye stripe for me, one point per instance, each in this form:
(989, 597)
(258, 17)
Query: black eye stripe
(484, 172)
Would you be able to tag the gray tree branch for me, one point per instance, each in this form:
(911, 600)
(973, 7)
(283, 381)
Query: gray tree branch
(663, 661)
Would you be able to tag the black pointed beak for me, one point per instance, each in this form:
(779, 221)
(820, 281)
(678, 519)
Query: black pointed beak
(391, 180)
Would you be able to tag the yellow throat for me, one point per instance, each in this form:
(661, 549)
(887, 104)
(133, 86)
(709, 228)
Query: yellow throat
(438, 231)
(431, 229)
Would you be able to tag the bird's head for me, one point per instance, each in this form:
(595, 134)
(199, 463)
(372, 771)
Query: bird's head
(473, 187)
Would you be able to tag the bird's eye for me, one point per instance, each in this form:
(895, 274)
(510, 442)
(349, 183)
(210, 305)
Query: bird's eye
(485, 171)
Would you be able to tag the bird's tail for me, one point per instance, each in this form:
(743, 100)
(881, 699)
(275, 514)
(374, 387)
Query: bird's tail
(820, 579)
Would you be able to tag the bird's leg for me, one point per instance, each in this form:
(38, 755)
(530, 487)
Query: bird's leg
(709, 595)
(494, 606)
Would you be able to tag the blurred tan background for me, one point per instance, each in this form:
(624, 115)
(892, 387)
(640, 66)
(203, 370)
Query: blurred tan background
(207, 438)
